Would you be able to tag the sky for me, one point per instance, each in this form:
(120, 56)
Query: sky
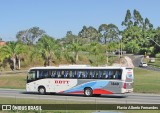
(56, 17)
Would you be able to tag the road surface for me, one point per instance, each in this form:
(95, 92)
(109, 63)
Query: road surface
(136, 59)
(104, 99)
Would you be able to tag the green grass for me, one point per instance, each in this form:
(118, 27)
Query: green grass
(13, 81)
(156, 63)
(146, 81)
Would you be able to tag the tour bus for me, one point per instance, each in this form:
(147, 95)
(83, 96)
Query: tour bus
(79, 79)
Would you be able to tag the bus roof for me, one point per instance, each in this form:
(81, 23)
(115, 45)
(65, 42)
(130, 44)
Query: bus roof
(78, 67)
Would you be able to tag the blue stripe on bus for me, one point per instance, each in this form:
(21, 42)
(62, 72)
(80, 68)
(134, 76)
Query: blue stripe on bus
(93, 85)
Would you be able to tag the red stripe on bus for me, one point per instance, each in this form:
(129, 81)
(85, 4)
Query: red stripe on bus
(101, 91)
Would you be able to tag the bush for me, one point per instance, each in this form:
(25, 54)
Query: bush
(158, 55)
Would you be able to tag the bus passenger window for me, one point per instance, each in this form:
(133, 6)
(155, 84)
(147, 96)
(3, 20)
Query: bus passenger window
(58, 74)
(74, 74)
(49, 73)
(66, 74)
(62, 74)
(70, 74)
(105, 75)
(93, 74)
(111, 75)
(117, 74)
(41, 74)
(99, 74)
(45, 74)
(86, 73)
(53, 75)
(79, 75)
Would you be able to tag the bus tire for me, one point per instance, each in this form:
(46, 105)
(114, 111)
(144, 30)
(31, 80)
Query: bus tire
(42, 90)
(88, 92)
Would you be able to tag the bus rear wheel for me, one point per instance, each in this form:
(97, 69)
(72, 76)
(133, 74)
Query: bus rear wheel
(88, 92)
(42, 90)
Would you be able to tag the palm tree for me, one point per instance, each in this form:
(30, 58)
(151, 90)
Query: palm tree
(12, 50)
(46, 47)
(94, 49)
(75, 47)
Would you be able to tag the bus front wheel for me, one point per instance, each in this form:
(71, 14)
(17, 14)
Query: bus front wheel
(42, 90)
(88, 92)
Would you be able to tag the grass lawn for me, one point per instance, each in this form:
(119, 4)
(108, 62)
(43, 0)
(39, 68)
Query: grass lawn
(146, 81)
(13, 81)
(156, 63)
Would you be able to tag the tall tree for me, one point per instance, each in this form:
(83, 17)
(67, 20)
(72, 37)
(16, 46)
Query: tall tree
(96, 49)
(29, 36)
(90, 33)
(46, 47)
(75, 47)
(113, 33)
(12, 50)
(138, 20)
(128, 20)
(103, 29)
(109, 32)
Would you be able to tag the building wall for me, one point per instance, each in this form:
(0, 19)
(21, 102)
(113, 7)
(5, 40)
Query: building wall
(2, 43)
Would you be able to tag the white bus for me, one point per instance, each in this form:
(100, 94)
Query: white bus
(80, 80)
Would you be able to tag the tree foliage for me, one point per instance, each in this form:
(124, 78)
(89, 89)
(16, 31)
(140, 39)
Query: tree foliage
(29, 36)
(138, 36)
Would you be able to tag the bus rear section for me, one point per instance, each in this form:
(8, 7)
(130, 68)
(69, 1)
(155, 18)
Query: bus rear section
(129, 80)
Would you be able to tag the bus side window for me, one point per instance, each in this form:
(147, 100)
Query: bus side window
(49, 73)
(111, 74)
(41, 74)
(62, 74)
(93, 74)
(66, 74)
(53, 75)
(117, 74)
(105, 74)
(70, 74)
(86, 74)
(45, 74)
(79, 74)
(74, 74)
(99, 74)
(58, 74)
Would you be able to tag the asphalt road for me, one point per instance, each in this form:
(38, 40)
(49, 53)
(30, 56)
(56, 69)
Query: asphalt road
(114, 99)
(136, 59)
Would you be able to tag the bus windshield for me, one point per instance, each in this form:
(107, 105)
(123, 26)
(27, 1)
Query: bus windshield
(31, 76)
